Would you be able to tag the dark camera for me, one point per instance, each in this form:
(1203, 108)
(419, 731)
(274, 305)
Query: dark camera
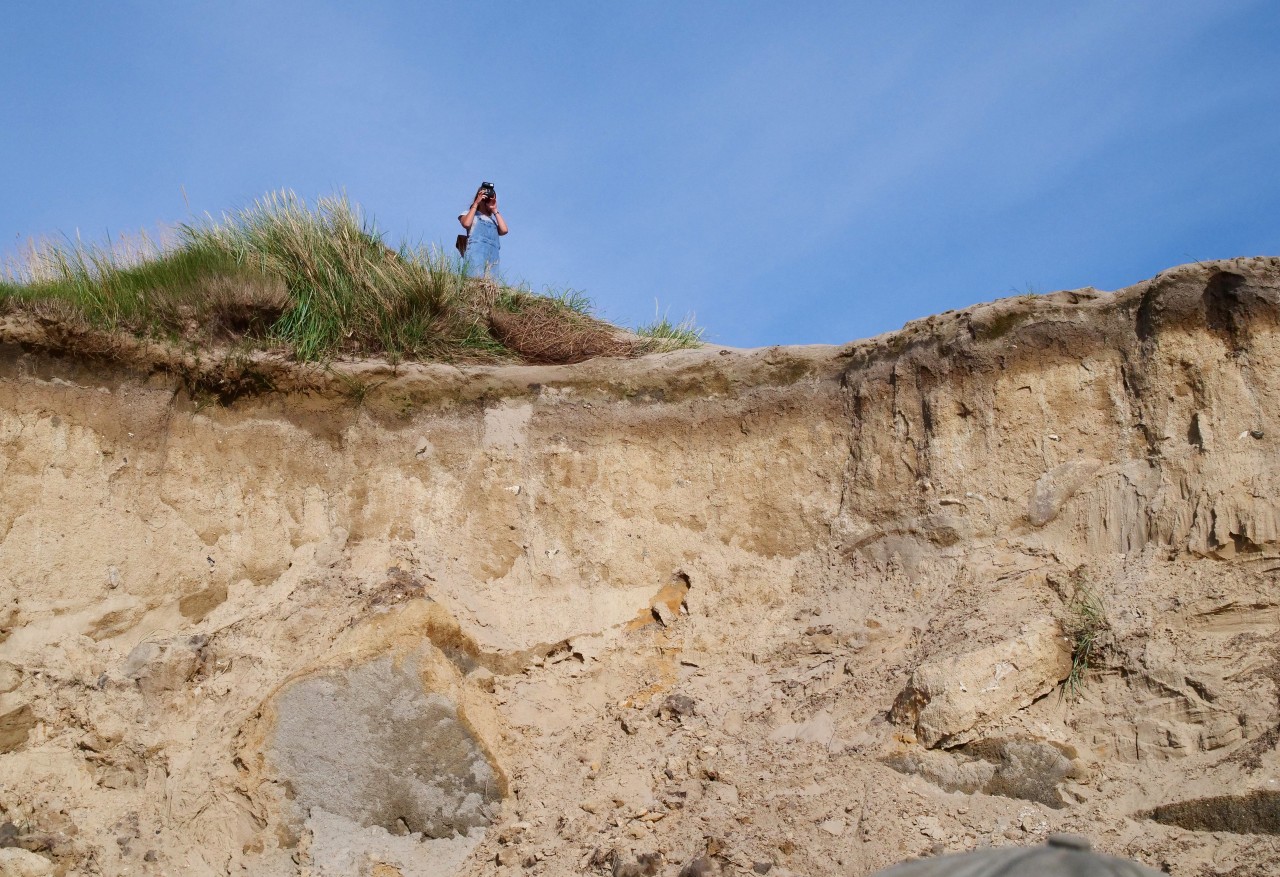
(487, 190)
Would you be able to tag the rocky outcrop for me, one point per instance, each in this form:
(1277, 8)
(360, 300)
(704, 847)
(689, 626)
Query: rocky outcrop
(1094, 407)
(948, 701)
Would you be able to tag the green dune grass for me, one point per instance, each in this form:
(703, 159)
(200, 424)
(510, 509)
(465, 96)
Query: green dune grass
(317, 281)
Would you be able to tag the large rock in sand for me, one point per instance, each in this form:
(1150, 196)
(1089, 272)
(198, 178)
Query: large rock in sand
(373, 744)
(950, 700)
(380, 748)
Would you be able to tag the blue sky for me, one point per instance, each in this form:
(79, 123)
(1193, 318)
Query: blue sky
(791, 173)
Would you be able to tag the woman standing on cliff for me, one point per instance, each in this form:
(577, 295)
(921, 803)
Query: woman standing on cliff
(484, 225)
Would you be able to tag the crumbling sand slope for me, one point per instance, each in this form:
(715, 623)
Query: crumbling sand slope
(788, 611)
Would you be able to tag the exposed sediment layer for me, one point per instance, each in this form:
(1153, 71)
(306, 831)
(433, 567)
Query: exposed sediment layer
(802, 606)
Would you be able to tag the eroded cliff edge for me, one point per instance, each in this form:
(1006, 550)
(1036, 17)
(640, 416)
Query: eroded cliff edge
(797, 606)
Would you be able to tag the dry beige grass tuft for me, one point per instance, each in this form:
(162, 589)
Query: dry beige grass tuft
(544, 331)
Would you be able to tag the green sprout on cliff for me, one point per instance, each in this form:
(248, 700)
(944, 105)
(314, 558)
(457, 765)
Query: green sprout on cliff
(1085, 623)
(667, 335)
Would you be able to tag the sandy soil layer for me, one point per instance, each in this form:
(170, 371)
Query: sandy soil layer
(790, 611)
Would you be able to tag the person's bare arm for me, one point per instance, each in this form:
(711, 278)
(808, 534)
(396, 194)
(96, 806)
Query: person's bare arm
(497, 217)
(469, 218)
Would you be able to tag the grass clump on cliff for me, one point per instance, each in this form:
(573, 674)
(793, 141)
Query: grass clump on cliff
(665, 335)
(317, 281)
(141, 284)
(347, 291)
(1085, 623)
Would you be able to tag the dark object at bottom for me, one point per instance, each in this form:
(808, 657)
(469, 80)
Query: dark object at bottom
(1255, 813)
(1063, 855)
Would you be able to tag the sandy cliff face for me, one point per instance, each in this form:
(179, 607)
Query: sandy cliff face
(811, 608)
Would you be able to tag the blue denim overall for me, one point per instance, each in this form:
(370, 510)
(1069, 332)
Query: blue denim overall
(482, 246)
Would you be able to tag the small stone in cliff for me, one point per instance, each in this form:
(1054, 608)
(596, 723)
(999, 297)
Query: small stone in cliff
(931, 827)
(10, 677)
(700, 867)
(664, 613)
(15, 727)
(678, 705)
(944, 529)
(161, 667)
